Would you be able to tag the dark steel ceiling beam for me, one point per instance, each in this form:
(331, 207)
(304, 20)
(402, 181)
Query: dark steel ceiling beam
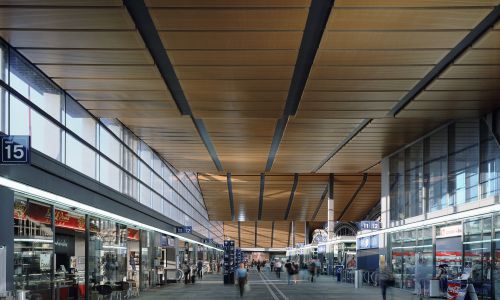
(488, 22)
(147, 29)
(323, 196)
(230, 193)
(255, 234)
(272, 234)
(261, 194)
(351, 135)
(319, 12)
(351, 201)
(292, 195)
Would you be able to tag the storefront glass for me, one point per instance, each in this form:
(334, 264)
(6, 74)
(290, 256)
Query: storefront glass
(449, 248)
(108, 252)
(33, 248)
(496, 269)
(477, 255)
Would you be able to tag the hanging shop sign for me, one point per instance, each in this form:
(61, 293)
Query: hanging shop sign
(42, 214)
(15, 149)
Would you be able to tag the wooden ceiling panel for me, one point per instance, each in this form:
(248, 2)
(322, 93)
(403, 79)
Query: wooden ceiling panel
(476, 72)
(246, 197)
(264, 232)
(215, 196)
(415, 3)
(73, 39)
(228, 3)
(232, 95)
(247, 234)
(300, 229)
(231, 232)
(229, 19)
(129, 105)
(379, 57)
(100, 71)
(361, 85)
(325, 96)
(120, 95)
(241, 86)
(406, 19)
(112, 84)
(104, 18)
(307, 196)
(392, 39)
(62, 2)
(232, 57)
(480, 57)
(488, 41)
(372, 72)
(242, 144)
(234, 72)
(469, 84)
(281, 234)
(458, 95)
(277, 191)
(88, 57)
(245, 40)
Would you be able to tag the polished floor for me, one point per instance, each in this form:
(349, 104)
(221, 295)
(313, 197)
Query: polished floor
(266, 286)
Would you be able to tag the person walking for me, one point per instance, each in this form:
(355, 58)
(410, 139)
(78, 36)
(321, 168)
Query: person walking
(312, 269)
(289, 271)
(199, 266)
(242, 276)
(186, 270)
(385, 279)
(277, 267)
(258, 266)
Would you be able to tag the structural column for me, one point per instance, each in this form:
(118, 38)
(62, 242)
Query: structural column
(6, 240)
(331, 223)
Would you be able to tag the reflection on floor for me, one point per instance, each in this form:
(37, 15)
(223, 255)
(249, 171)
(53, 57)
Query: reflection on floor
(266, 286)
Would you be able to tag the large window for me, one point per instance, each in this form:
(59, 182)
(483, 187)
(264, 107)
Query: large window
(102, 149)
(444, 170)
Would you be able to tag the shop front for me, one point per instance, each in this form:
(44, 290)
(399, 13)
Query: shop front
(467, 248)
(62, 253)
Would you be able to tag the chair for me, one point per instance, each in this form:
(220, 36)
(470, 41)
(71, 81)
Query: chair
(104, 290)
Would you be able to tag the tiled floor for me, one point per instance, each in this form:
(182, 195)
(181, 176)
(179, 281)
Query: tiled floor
(267, 286)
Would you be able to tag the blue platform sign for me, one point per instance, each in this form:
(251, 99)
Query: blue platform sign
(15, 149)
(369, 225)
(185, 229)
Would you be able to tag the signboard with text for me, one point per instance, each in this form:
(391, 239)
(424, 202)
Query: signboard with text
(369, 225)
(184, 229)
(15, 149)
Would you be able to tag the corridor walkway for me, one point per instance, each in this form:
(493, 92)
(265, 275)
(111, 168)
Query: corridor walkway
(265, 286)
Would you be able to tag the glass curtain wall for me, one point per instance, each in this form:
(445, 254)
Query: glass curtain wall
(477, 254)
(456, 165)
(63, 130)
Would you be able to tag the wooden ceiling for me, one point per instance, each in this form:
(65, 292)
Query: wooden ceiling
(239, 63)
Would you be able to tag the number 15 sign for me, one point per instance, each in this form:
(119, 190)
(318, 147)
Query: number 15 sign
(15, 149)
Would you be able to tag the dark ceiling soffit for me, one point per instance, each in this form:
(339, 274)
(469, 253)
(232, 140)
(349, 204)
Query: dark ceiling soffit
(239, 234)
(323, 196)
(319, 11)
(317, 18)
(272, 234)
(292, 195)
(488, 22)
(142, 19)
(261, 194)
(230, 193)
(351, 201)
(205, 137)
(289, 233)
(275, 144)
(255, 234)
(351, 135)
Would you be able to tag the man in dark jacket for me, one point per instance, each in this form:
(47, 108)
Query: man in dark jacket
(199, 266)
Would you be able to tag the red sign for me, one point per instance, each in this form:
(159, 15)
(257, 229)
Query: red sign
(41, 214)
(453, 289)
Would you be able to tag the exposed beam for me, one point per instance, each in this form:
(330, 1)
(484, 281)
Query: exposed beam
(272, 234)
(292, 195)
(230, 193)
(317, 18)
(323, 196)
(339, 147)
(351, 201)
(239, 234)
(279, 131)
(261, 194)
(255, 234)
(289, 233)
(488, 22)
(147, 29)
